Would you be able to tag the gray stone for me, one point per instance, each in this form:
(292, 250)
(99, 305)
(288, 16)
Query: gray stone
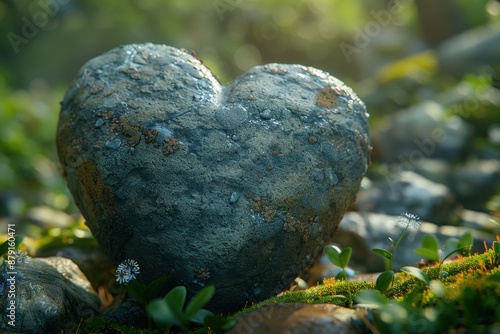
(478, 221)
(475, 182)
(165, 196)
(364, 232)
(467, 52)
(435, 170)
(419, 132)
(298, 318)
(51, 295)
(408, 192)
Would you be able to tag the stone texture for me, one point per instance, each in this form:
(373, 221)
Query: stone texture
(297, 318)
(408, 192)
(475, 182)
(238, 186)
(419, 132)
(52, 295)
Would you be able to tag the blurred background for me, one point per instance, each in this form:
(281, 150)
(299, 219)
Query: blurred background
(426, 69)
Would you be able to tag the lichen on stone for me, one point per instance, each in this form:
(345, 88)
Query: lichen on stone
(97, 197)
(327, 97)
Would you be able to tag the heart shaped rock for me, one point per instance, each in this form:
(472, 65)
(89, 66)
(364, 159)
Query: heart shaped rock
(239, 186)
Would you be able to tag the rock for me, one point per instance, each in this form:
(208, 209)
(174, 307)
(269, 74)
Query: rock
(94, 264)
(475, 182)
(408, 192)
(238, 186)
(364, 232)
(469, 51)
(419, 132)
(297, 318)
(51, 295)
(478, 221)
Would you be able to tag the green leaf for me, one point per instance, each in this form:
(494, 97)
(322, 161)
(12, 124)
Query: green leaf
(333, 253)
(495, 222)
(458, 250)
(466, 239)
(199, 317)
(345, 256)
(383, 253)
(154, 287)
(451, 243)
(465, 243)
(417, 273)
(198, 301)
(136, 289)
(370, 299)
(430, 241)
(5, 246)
(161, 313)
(176, 298)
(496, 247)
(428, 253)
(384, 281)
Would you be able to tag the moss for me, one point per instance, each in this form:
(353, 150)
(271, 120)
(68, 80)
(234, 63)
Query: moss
(472, 287)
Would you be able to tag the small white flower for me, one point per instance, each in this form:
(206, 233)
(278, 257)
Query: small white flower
(126, 271)
(409, 219)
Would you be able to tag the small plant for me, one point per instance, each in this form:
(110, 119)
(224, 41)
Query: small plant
(340, 258)
(404, 316)
(386, 279)
(127, 273)
(430, 248)
(169, 311)
(496, 249)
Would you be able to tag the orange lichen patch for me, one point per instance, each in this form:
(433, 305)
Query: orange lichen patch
(97, 197)
(313, 139)
(149, 135)
(130, 130)
(259, 205)
(292, 224)
(170, 145)
(97, 87)
(327, 97)
(203, 274)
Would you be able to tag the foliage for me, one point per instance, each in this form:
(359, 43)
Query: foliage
(430, 248)
(406, 313)
(170, 311)
(340, 258)
(385, 280)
